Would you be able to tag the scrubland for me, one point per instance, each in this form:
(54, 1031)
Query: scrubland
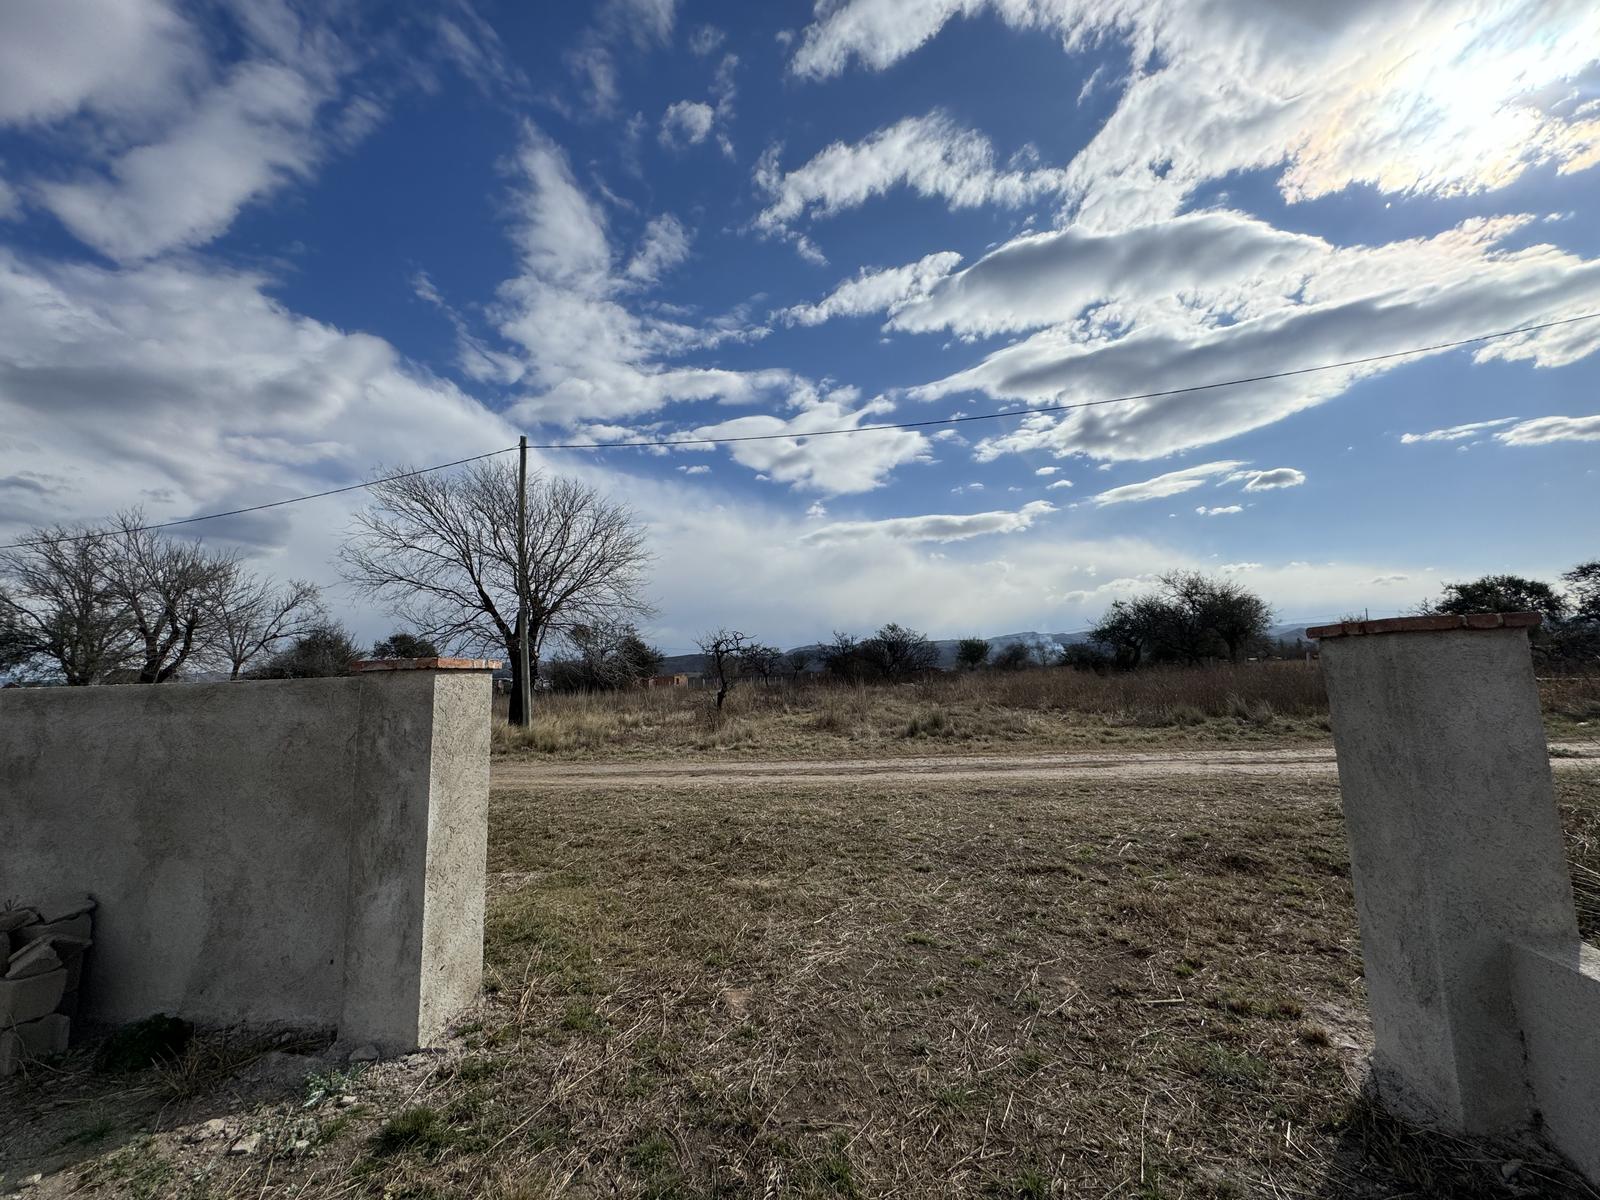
(1250, 705)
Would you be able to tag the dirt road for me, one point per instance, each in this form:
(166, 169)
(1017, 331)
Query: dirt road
(677, 774)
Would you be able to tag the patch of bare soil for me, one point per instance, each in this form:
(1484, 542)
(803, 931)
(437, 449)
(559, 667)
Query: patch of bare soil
(1021, 768)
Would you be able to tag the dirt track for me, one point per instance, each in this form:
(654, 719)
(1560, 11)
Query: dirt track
(676, 774)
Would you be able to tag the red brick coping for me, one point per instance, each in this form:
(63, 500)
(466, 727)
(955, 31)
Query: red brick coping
(1433, 624)
(425, 664)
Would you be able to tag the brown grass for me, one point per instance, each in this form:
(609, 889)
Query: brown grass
(1134, 988)
(1252, 705)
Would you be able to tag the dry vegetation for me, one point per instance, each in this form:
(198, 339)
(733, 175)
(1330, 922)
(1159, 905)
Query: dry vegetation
(1253, 705)
(1107, 988)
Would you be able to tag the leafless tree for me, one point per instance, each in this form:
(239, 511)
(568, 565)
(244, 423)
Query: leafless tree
(724, 650)
(765, 661)
(59, 608)
(254, 615)
(168, 589)
(440, 551)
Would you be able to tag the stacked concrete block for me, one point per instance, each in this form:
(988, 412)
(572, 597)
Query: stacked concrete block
(41, 966)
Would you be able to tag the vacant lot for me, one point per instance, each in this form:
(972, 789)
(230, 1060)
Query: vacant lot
(1250, 706)
(1137, 986)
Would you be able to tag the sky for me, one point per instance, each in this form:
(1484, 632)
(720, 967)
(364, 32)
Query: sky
(251, 249)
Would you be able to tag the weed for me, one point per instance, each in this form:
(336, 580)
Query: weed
(420, 1130)
(323, 1085)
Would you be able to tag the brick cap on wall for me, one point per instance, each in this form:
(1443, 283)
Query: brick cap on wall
(425, 664)
(1429, 624)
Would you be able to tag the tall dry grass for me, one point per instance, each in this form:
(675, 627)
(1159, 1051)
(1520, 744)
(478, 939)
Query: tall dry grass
(966, 710)
(1039, 710)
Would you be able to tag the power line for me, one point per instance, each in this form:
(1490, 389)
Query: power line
(234, 512)
(1057, 408)
(791, 434)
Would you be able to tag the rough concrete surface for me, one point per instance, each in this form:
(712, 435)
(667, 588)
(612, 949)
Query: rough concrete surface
(1558, 1004)
(260, 851)
(1456, 852)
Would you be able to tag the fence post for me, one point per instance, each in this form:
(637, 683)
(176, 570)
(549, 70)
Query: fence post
(1456, 854)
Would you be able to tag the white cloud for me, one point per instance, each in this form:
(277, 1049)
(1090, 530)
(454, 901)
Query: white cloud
(1534, 431)
(1270, 480)
(874, 291)
(616, 24)
(664, 245)
(1060, 483)
(702, 469)
(1210, 259)
(932, 155)
(1305, 305)
(686, 123)
(190, 382)
(817, 511)
(118, 58)
(1541, 431)
(1046, 470)
(1440, 96)
(1455, 433)
(931, 527)
(1170, 484)
(1220, 510)
(830, 465)
(585, 354)
(251, 134)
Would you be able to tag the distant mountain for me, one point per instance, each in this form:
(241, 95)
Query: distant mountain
(672, 664)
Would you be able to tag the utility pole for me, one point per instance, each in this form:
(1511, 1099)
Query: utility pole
(524, 684)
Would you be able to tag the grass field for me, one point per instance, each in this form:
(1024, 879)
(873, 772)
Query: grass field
(1252, 705)
(1142, 987)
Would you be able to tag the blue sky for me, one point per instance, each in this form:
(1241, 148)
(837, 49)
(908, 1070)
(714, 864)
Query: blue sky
(249, 250)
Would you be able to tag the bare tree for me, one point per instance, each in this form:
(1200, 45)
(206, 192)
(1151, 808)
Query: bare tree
(58, 606)
(254, 615)
(168, 589)
(724, 650)
(765, 661)
(799, 659)
(440, 551)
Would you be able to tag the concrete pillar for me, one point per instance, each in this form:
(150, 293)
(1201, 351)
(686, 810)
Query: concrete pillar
(1456, 852)
(413, 944)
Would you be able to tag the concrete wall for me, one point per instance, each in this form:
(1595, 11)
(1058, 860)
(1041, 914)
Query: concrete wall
(307, 852)
(1485, 1004)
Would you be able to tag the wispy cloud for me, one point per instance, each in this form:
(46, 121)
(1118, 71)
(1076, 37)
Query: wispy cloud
(1455, 433)
(1543, 430)
(932, 155)
(1532, 431)
(933, 527)
(1170, 484)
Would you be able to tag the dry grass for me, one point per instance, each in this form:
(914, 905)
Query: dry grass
(1106, 988)
(1252, 705)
